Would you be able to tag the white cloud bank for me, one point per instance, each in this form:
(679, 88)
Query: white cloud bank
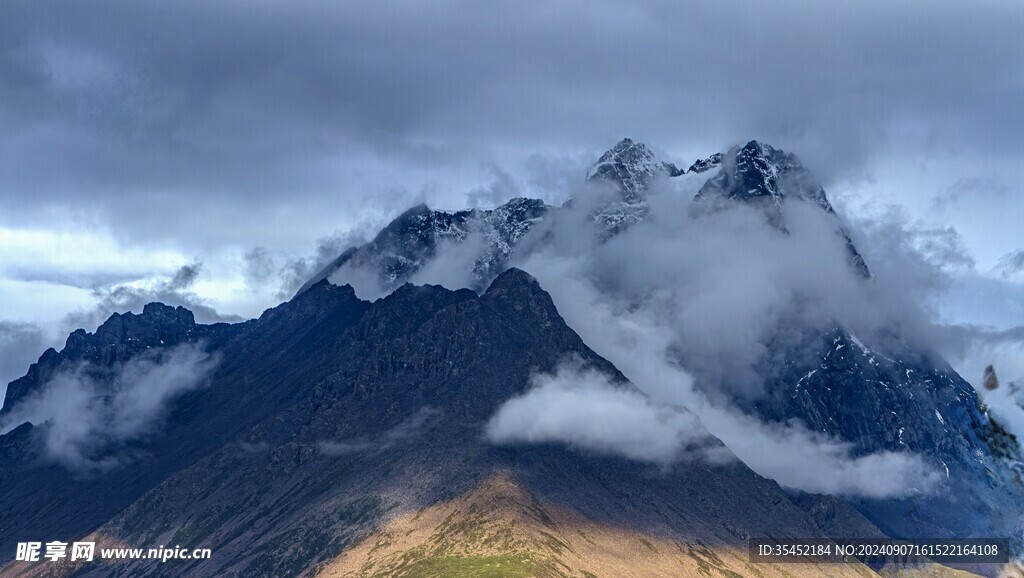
(583, 408)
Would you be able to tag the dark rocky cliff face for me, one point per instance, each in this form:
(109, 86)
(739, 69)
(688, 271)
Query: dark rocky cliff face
(888, 397)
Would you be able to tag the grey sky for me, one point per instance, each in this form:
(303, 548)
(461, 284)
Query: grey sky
(137, 138)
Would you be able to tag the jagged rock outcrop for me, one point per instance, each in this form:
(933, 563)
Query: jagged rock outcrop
(704, 165)
(631, 166)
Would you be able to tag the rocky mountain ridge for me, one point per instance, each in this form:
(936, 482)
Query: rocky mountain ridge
(330, 416)
(412, 239)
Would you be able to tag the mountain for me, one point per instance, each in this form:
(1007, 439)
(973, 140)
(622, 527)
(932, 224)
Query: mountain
(704, 165)
(889, 397)
(630, 168)
(882, 396)
(761, 173)
(756, 174)
(331, 425)
(878, 394)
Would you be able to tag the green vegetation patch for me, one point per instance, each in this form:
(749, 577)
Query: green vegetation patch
(469, 567)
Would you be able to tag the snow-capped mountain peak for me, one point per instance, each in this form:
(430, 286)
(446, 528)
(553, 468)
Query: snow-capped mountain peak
(763, 172)
(764, 176)
(631, 165)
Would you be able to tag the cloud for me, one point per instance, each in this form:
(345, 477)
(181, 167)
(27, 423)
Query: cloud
(946, 305)
(455, 269)
(313, 106)
(500, 190)
(970, 190)
(316, 118)
(944, 246)
(292, 272)
(972, 348)
(923, 257)
(89, 416)
(67, 252)
(686, 305)
(22, 343)
(638, 342)
(176, 290)
(720, 284)
(582, 408)
(782, 452)
(310, 107)
(258, 266)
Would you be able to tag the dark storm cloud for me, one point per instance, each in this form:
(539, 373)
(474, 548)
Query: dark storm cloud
(185, 109)
(259, 266)
(284, 275)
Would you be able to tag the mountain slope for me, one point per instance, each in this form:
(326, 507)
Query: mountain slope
(499, 529)
(329, 416)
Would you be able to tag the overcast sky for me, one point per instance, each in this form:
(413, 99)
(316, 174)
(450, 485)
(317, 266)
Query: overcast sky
(140, 137)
